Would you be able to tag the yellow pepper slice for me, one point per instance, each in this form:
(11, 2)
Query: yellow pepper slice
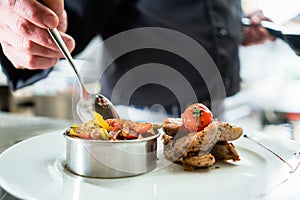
(74, 126)
(101, 121)
(72, 132)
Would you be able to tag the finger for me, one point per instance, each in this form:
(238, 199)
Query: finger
(34, 12)
(266, 35)
(255, 20)
(257, 17)
(29, 47)
(261, 16)
(260, 33)
(27, 61)
(19, 67)
(36, 34)
(249, 37)
(256, 35)
(62, 26)
(69, 41)
(58, 7)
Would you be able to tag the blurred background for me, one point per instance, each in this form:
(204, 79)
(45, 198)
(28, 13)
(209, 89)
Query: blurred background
(268, 102)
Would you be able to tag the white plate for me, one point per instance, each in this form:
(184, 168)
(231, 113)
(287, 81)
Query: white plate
(33, 169)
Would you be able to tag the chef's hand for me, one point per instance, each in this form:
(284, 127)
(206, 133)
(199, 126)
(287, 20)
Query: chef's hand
(256, 34)
(24, 38)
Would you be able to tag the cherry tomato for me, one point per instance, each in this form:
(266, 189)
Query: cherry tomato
(116, 124)
(196, 117)
(130, 137)
(124, 134)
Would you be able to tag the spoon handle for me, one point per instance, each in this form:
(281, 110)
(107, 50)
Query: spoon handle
(54, 33)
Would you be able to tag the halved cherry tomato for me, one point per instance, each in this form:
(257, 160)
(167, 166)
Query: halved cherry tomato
(115, 124)
(127, 133)
(130, 137)
(196, 117)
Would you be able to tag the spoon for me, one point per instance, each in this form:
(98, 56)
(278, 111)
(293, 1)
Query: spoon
(88, 102)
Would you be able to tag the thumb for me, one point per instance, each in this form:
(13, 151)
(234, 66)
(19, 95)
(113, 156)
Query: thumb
(57, 6)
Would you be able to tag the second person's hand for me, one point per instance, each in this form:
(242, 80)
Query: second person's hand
(255, 33)
(24, 38)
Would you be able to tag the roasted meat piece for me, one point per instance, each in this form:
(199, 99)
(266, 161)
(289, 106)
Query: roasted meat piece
(229, 132)
(225, 151)
(174, 126)
(190, 163)
(204, 140)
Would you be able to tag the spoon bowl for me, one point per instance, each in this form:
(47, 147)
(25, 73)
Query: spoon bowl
(97, 103)
(88, 102)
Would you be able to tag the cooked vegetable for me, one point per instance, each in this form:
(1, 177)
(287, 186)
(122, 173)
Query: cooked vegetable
(101, 121)
(115, 124)
(111, 129)
(196, 117)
